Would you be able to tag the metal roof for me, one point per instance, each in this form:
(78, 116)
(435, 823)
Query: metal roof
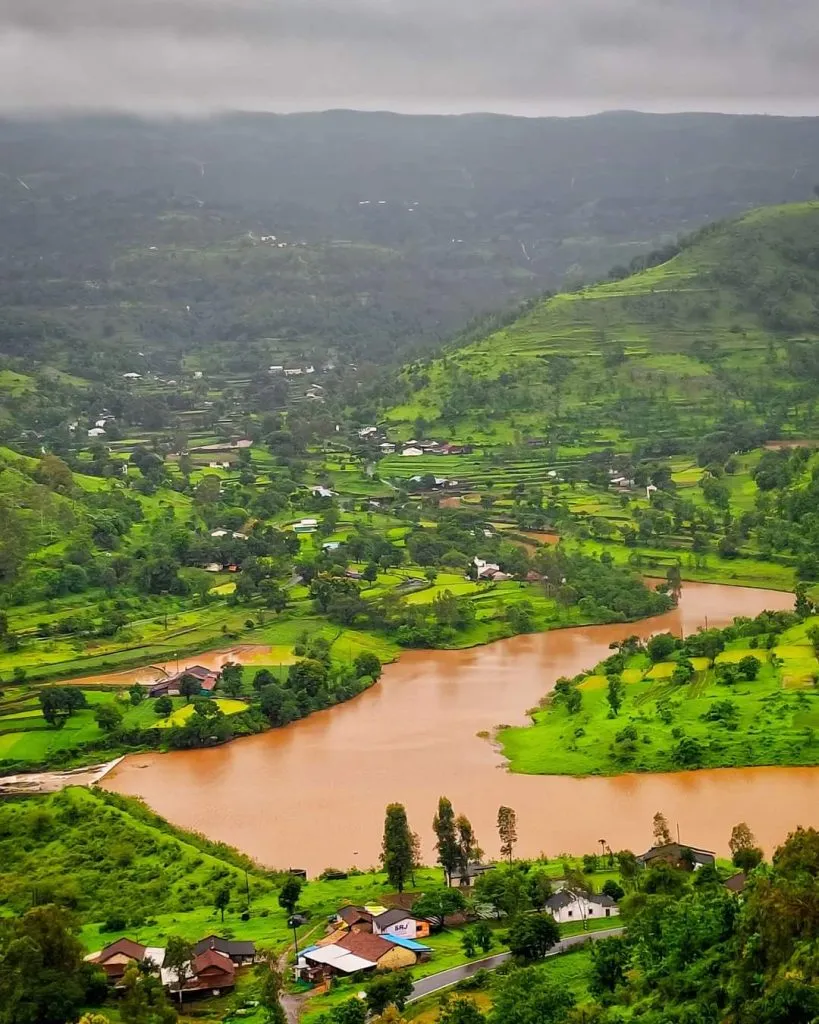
(339, 958)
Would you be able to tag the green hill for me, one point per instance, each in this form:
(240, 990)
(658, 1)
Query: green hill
(728, 324)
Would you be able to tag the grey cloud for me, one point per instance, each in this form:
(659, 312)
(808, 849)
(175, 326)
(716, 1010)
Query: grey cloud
(530, 56)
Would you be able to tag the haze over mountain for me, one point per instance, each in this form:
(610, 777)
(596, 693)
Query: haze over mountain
(122, 235)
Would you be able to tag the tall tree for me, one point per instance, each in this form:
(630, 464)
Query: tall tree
(508, 831)
(289, 893)
(397, 846)
(178, 957)
(446, 844)
(615, 694)
(743, 846)
(660, 830)
(468, 849)
(43, 979)
(143, 999)
(221, 900)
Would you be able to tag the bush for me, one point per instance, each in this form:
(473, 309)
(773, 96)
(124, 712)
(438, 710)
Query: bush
(115, 922)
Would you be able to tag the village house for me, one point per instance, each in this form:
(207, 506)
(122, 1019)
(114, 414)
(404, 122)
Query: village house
(367, 432)
(305, 526)
(321, 492)
(412, 451)
(357, 919)
(565, 906)
(239, 952)
(400, 924)
(387, 447)
(317, 963)
(385, 954)
(485, 570)
(736, 883)
(678, 855)
(209, 973)
(116, 957)
(466, 879)
(169, 687)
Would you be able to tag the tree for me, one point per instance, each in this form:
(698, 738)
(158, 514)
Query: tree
(367, 664)
(443, 824)
(390, 990)
(745, 854)
(43, 978)
(397, 846)
(459, 1010)
(108, 717)
(533, 935)
(609, 961)
(530, 996)
(483, 936)
(660, 829)
(468, 849)
(163, 706)
(351, 1011)
(143, 999)
(221, 900)
(230, 680)
(615, 694)
(613, 890)
(435, 906)
(748, 667)
(507, 831)
(58, 703)
(468, 943)
(661, 646)
(53, 473)
(189, 686)
(178, 957)
(540, 888)
(136, 694)
(289, 894)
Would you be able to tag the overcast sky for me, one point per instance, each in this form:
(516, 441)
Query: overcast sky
(519, 56)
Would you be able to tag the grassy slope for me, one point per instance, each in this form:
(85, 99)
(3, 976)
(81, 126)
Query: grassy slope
(778, 715)
(692, 338)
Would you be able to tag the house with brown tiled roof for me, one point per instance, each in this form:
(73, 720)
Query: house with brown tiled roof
(386, 955)
(118, 956)
(357, 919)
(209, 973)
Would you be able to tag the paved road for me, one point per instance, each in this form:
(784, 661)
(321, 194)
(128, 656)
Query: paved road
(436, 982)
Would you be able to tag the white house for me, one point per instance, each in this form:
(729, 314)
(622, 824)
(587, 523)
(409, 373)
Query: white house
(101, 423)
(398, 924)
(485, 570)
(322, 492)
(567, 906)
(412, 451)
(275, 369)
(96, 432)
(132, 376)
(219, 533)
(367, 431)
(387, 447)
(296, 372)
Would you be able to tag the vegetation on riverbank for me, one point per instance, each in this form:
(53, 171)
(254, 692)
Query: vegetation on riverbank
(744, 695)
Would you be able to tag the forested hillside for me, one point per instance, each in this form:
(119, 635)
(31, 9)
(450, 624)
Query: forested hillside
(723, 325)
(253, 238)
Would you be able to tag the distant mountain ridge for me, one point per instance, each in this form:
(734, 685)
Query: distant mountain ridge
(113, 227)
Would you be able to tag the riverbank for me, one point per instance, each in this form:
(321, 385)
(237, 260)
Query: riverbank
(731, 698)
(420, 732)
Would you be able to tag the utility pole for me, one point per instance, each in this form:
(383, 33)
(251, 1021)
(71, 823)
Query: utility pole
(294, 923)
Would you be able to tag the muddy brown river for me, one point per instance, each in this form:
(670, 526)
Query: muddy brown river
(313, 794)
